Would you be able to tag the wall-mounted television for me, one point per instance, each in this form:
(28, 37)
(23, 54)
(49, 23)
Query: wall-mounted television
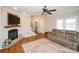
(13, 19)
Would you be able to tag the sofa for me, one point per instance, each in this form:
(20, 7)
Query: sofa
(67, 38)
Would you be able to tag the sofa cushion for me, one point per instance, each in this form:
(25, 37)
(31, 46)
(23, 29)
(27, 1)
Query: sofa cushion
(71, 35)
(60, 33)
(69, 44)
(54, 31)
(65, 42)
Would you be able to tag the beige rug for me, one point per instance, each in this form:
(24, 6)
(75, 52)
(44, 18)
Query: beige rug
(45, 46)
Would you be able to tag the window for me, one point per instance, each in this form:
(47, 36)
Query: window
(68, 24)
(60, 24)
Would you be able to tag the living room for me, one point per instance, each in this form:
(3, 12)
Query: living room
(32, 23)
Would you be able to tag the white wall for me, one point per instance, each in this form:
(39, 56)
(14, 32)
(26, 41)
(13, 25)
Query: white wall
(49, 23)
(25, 24)
(24, 19)
(50, 20)
(1, 33)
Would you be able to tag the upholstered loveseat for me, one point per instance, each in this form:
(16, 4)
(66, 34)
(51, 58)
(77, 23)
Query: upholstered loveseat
(67, 38)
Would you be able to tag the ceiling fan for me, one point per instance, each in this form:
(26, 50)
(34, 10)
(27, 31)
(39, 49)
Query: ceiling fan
(45, 10)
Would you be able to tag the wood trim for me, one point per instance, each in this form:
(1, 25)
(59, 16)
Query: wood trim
(10, 26)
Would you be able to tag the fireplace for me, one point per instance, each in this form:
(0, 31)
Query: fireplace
(13, 34)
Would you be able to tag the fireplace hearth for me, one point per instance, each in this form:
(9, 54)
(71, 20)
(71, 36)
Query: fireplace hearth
(13, 34)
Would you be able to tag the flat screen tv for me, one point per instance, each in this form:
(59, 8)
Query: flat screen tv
(13, 19)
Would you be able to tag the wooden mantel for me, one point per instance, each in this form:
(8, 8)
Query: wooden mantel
(10, 26)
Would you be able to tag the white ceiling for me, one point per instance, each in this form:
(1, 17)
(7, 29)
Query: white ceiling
(36, 10)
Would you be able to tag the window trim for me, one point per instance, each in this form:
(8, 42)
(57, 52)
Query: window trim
(64, 23)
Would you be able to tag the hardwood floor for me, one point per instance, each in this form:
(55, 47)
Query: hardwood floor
(17, 48)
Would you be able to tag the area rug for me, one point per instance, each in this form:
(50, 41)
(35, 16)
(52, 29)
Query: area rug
(45, 46)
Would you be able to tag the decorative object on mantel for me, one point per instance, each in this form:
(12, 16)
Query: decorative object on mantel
(10, 26)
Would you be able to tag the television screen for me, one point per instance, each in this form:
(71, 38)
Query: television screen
(18, 20)
(13, 19)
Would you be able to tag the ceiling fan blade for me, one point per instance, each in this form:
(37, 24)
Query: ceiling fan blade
(52, 10)
(49, 13)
